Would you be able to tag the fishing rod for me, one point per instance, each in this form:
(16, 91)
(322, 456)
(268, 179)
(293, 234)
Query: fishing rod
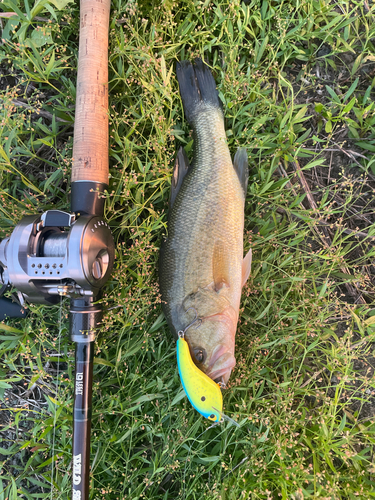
(71, 254)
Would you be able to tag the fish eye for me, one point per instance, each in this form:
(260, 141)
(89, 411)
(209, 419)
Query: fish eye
(212, 417)
(200, 354)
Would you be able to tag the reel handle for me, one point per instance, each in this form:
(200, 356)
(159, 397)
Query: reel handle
(90, 143)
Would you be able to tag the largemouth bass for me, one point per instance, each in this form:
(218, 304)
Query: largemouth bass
(202, 269)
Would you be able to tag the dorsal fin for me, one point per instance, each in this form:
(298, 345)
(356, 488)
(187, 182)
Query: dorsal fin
(241, 166)
(180, 169)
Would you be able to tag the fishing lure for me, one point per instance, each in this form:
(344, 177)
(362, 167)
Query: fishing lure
(203, 393)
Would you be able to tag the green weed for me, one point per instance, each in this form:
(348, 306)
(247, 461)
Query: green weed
(296, 80)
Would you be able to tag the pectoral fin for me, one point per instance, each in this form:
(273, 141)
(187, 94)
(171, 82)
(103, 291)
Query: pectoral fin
(181, 167)
(220, 266)
(246, 267)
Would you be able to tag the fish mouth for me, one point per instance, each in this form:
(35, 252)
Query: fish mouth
(223, 374)
(221, 364)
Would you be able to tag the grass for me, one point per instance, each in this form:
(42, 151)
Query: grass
(296, 79)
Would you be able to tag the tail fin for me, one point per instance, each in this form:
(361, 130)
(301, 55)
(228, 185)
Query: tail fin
(197, 87)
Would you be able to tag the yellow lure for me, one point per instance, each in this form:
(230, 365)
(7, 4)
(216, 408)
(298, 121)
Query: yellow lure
(203, 393)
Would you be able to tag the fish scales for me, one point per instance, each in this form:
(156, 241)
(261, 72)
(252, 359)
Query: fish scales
(201, 264)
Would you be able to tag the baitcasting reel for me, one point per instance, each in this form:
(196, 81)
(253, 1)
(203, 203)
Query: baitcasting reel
(57, 254)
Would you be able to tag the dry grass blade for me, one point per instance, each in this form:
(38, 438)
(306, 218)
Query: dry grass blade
(39, 112)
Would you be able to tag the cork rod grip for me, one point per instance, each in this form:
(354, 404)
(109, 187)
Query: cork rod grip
(90, 144)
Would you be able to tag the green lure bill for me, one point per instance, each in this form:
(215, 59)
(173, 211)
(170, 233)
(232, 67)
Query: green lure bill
(203, 393)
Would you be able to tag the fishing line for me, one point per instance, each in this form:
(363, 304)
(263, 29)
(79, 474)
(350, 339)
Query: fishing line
(234, 468)
(57, 395)
(226, 417)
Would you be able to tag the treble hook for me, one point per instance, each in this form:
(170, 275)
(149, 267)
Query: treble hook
(181, 333)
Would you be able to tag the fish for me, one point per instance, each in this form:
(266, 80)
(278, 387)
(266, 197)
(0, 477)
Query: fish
(201, 266)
